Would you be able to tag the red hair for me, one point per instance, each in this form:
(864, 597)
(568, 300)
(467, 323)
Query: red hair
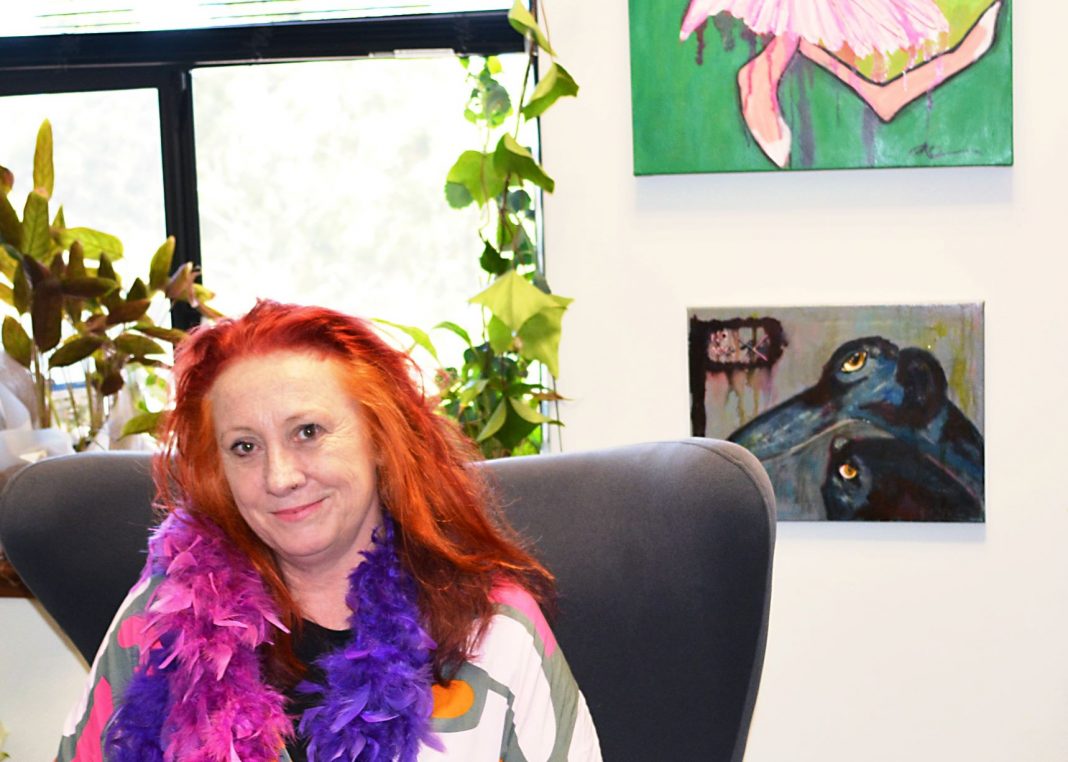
(450, 533)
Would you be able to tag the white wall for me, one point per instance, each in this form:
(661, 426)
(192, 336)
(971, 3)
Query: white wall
(40, 679)
(886, 642)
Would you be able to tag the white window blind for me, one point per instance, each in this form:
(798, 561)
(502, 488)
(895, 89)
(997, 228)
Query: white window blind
(87, 16)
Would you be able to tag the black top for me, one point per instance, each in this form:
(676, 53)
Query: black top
(314, 641)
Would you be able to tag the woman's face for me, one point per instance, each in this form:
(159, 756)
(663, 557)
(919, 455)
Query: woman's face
(298, 459)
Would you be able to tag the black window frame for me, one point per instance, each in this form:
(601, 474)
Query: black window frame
(164, 60)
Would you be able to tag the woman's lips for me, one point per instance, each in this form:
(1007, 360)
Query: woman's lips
(297, 513)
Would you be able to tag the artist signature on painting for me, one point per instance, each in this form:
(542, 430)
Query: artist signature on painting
(932, 152)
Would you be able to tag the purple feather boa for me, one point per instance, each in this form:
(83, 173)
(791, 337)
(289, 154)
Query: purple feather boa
(198, 694)
(376, 701)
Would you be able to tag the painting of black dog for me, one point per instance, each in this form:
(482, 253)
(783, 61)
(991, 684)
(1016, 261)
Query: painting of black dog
(857, 413)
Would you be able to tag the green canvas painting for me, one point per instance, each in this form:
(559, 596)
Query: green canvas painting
(755, 85)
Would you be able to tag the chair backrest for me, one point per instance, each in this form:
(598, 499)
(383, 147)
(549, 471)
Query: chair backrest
(662, 553)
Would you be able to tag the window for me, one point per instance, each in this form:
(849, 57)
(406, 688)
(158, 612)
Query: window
(252, 188)
(324, 182)
(108, 179)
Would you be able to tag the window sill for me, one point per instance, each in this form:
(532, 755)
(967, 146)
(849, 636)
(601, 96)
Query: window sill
(10, 584)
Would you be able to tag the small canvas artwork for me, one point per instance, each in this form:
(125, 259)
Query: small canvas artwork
(751, 85)
(868, 413)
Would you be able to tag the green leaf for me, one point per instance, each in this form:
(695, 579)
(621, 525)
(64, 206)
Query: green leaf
(457, 195)
(173, 335)
(418, 335)
(539, 337)
(512, 236)
(76, 261)
(7, 181)
(36, 237)
(492, 261)
(510, 158)
(512, 299)
(514, 430)
(127, 312)
(16, 341)
(523, 249)
(523, 22)
(142, 423)
(6, 294)
(500, 335)
(201, 292)
(203, 296)
(137, 291)
(470, 391)
(74, 350)
(106, 270)
(519, 201)
(138, 346)
(37, 271)
(160, 269)
(21, 290)
(476, 172)
(46, 313)
(58, 267)
(180, 286)
(529, 414)
(556, 83)
(493, 425)
(448, 325)
(496, 103)
(9, 260)
(59, 221)
(94, 242)
(10, 226)
(547, 396)
(87, 287)
(43, 171)
(493, 65)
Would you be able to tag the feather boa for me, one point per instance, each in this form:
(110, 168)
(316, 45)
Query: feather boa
(198, 694)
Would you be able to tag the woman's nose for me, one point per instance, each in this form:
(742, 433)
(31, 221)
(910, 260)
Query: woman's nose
(284, 472)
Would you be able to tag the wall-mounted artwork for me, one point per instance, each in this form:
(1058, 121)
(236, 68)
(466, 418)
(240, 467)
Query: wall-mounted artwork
(857, 413)
(750, 85)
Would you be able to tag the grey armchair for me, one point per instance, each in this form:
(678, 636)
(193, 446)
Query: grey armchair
(662, 553)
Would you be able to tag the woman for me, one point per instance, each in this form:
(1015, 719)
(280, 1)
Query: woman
(328, 583)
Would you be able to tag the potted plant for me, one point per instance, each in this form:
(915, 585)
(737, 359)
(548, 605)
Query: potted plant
(70, 306)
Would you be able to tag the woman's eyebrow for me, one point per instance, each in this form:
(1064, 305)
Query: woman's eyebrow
(231, 432)
(304, 414)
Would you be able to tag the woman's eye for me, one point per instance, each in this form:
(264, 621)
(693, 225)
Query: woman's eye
(242, 448)
(308, 431)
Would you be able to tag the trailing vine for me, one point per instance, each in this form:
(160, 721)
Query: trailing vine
(497, 393)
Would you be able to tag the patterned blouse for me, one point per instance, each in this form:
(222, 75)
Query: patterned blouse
(514, 701)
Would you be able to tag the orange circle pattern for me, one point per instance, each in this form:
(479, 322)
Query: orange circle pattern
(452, 700)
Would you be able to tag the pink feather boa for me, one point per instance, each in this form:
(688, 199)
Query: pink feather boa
(199, 694)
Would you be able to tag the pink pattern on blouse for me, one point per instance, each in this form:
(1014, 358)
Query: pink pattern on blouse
(522, 601)
(89, 747)
(131, 631)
